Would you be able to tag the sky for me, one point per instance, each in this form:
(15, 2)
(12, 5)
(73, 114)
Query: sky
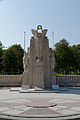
(59, 16)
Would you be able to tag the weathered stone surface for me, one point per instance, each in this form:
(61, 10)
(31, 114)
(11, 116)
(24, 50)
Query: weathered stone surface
(40, 64)
(26, 78)
(39, 81)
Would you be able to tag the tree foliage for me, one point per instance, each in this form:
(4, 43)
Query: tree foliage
(65, 57)
(1, 54)
(76, 53)
(12, 60)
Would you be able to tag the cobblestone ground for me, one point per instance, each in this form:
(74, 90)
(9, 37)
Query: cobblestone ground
(66, 103)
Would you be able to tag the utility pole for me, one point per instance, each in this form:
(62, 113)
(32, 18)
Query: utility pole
(52, 39)
(24, 40)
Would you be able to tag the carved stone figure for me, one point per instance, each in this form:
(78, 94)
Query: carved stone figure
(25, 61)
(38, 40)
(38, 48)
(53, 63)
(36, 33)
(28, 51)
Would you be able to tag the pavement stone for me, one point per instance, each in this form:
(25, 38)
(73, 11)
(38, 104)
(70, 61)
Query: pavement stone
(13, 105)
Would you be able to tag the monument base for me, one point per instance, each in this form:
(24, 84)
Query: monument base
(39, 89)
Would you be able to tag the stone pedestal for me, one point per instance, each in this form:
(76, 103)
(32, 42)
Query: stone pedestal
(39, 81)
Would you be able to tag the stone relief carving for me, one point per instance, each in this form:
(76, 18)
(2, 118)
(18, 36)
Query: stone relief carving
(36, 33)
(26, 60)
(39, 61)
(53, 63)
(52, 59)
(38, 48)
(38, 41)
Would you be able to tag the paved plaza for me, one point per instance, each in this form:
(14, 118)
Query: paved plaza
(45, 105)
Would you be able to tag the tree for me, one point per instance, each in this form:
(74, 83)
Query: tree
(64, 56)
(76, 51)
(1, 54)
(12, 60)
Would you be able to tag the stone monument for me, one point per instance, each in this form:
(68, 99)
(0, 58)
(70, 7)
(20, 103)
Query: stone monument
(39, 62)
